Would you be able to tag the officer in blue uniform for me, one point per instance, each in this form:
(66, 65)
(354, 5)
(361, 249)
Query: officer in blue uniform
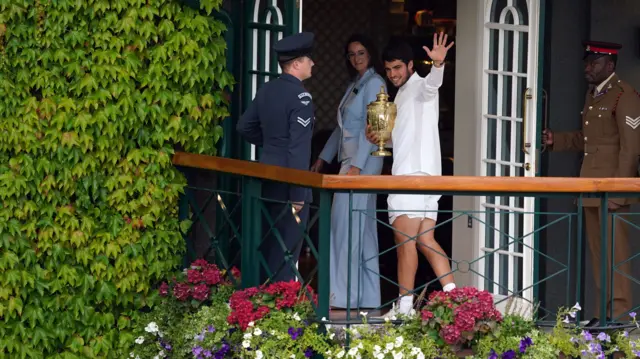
(280, 120)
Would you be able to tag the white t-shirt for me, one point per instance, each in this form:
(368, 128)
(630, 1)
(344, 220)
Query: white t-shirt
(415, 137)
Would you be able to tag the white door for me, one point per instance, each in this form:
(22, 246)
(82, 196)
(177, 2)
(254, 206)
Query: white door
(509, 143)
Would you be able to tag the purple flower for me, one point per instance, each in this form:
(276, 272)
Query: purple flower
(604, 337)
(509, 354)
(295, 333)
(632, 315)
(587, 336)
(223, 350)
(308, 353)
(207, 354)
(525, 343)
(493, 355)
(211, 329)
(196, 351)
(199, 337)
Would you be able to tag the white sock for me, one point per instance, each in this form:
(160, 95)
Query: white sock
(406, 304)
(449, 287)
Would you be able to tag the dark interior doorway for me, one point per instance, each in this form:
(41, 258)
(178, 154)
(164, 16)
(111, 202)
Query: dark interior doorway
(414, 21)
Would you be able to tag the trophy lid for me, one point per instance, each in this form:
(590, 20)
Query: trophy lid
(382, 95)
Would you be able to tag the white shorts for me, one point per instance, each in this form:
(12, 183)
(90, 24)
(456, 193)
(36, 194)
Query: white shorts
(413, 205)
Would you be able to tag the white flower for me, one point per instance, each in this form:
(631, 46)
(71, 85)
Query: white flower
(377, 349)
(566, 320)
(257, 332)
(151, 328)
(293, 356)
(577, 307)
(379, 356)
(140, 340)
(162, 354)
(247, 335)
(353, 351)
(250, 324)
(397, 355)
(420, 356)
(364, 314)
(246, 344)
(341, 354)
(387, 319)
(296, 317)
(324, 319)
(331, 336)
(389, 346)
(131, 355)
(258, 354)
(399, 341)
(272, 332)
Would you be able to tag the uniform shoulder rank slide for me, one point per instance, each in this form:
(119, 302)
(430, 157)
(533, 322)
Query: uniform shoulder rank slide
(305, 95)
(304, 122)
(633, 122)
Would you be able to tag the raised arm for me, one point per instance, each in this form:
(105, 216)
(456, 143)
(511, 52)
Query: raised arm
(438, 54)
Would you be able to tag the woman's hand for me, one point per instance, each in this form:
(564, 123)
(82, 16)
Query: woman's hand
(353, 171)
(317, 167)
(371, 136)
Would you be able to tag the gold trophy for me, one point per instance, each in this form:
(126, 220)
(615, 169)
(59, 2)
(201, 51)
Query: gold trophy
(381, 116)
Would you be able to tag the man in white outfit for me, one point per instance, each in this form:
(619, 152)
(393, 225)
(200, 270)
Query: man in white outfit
(416, 152)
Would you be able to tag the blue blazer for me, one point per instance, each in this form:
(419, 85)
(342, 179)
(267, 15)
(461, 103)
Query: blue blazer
(348, 140)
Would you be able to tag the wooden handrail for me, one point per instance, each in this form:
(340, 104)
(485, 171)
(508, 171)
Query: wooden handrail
(409, 183)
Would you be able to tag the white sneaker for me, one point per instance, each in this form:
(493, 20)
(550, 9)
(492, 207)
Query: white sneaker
(396, 313)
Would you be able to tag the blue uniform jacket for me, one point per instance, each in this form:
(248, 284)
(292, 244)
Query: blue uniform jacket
(280, 120)
(348, 140)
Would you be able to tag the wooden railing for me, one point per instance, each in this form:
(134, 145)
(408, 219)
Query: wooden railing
(409, 183)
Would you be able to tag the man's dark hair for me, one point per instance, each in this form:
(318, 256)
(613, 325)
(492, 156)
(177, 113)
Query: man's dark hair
(374, 60)
(397, 50)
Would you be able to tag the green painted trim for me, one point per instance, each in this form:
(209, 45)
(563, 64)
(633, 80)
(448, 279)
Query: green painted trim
(538, 139)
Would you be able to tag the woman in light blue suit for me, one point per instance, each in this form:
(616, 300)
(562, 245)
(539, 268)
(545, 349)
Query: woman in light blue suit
(349, 143)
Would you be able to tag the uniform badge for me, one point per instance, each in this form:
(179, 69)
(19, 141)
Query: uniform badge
(632, 122)
(304, 122)
(303, 95)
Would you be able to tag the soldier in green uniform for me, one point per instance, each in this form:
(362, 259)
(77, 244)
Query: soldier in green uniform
(610, 141)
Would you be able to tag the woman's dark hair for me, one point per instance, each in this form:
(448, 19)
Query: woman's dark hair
(397, 50)
(374, 59)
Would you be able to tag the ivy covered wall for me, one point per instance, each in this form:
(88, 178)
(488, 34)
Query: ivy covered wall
(95, 95)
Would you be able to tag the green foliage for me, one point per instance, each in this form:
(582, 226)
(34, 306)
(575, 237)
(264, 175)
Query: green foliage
(94, 97)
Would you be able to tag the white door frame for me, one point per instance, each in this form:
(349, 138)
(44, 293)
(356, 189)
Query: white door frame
(509, 113)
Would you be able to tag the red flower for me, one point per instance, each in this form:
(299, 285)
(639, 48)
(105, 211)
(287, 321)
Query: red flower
(200, 292)
(194, 276)
(164, 289)
(235, 272)
(211, 276)
(450, 334)
(182, 291)
(426, 315)
(200, 263)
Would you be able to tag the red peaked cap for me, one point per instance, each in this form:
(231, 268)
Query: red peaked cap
(600, 48)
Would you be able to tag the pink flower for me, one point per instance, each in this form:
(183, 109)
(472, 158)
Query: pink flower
(182, 291)
(194, 276)
(164, 289)
(200, 292)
